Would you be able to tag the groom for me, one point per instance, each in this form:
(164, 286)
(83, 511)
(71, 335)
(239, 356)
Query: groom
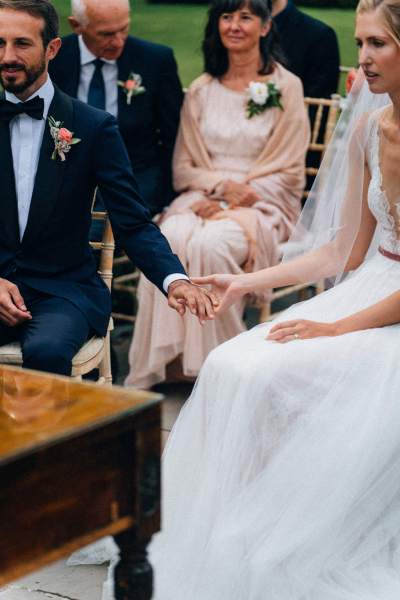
(51, 298)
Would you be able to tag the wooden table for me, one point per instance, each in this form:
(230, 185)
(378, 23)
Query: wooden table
(77, 462)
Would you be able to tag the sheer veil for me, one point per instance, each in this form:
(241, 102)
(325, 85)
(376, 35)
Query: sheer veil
(329, 223)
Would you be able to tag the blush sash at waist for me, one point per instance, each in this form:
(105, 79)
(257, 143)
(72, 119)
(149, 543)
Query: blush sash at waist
(389, 254)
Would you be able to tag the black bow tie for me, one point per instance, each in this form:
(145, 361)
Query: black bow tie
(34, 108)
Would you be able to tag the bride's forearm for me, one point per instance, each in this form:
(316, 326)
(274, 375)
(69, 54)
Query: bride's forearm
(315, 265)
(269, 278)
(383, 313)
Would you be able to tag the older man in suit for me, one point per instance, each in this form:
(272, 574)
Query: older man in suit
(54, 152)
(94, 64)
(311, 49)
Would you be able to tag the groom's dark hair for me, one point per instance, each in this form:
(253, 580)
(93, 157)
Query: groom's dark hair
(41, 9)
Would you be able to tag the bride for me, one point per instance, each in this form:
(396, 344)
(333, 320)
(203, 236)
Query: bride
(282, 473)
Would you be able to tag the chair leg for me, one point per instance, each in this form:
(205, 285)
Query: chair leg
(303, 295)
(320, 286)
(105, 374)
(265, 312)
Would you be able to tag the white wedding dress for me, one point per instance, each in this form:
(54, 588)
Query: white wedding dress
(282, 473)
(281, 477)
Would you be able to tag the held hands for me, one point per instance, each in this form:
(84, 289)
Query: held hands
(301, 330)
(230, 288)
(227, 288)
(199, 301)
(13, 311)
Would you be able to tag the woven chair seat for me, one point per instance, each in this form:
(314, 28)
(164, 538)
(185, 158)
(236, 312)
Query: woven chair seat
(95, 354)
(10, 354)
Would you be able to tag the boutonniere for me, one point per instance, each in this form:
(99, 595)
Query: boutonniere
(63, 139)
(132, 86)
(262, 96)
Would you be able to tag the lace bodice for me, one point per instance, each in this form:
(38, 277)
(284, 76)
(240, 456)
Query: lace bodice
(386, 213)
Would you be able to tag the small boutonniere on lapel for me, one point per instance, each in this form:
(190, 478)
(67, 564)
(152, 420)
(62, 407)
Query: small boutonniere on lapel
(262, 96)
(63, 139)
(132, 86)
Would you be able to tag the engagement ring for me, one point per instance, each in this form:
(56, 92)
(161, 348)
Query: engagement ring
(296, 336)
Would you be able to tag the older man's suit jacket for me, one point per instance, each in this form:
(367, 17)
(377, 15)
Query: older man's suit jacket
(54, 255)
(149, 125)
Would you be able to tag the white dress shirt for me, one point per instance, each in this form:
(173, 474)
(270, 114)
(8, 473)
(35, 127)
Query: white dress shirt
(110, 76)
(26, 140)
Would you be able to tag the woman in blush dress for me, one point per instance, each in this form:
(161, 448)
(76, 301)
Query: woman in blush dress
(241, 178)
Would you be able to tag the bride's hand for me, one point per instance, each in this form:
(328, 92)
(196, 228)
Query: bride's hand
(228, 288)
(300, 330)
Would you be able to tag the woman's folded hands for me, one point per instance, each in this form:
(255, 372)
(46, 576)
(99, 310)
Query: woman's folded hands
(228, 194)
(236, 194)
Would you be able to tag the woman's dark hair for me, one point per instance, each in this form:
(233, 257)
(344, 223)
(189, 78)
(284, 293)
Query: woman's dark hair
(41, 9)
(216, 61)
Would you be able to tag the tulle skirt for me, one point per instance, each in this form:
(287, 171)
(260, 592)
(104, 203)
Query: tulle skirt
(281, 477)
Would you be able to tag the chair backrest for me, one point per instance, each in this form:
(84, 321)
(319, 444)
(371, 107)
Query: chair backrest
(106, 248)
(324, 116)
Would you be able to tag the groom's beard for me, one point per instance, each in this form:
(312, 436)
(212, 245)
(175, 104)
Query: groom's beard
(32, 74)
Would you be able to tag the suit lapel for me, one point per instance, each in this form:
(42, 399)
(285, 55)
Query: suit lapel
(9, 203)
(49, 175)
(125, 67)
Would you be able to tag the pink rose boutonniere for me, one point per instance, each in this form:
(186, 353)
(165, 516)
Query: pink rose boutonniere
(63, 139)
(132, 86)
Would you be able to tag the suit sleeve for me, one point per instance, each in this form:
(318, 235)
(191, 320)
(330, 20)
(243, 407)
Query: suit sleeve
(133, 228)
(169, 102)
(323, 60)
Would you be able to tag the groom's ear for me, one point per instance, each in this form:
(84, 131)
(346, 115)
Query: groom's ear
(53, 48)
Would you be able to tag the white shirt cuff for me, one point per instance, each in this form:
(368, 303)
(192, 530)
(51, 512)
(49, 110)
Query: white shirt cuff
(171, 278)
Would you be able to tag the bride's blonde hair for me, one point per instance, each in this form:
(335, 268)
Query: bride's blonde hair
(390, 10)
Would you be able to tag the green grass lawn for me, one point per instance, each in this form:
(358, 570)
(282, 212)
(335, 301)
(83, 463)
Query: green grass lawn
(181, 27)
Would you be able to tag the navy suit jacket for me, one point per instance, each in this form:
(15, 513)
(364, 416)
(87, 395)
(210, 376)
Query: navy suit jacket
(150, 124)
(54, 255)
(311, 49)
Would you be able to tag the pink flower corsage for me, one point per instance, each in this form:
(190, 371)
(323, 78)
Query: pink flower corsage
(132, 86)
(63, 139)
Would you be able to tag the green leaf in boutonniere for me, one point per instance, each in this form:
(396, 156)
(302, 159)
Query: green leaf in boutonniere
(262, 96)
(132, 86)
(63, 139)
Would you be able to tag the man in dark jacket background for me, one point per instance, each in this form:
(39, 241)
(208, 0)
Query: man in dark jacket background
(311, 49)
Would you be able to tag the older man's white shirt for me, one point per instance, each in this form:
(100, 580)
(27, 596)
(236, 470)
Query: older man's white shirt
(110, 76)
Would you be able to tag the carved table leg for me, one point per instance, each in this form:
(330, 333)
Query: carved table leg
(133, 575)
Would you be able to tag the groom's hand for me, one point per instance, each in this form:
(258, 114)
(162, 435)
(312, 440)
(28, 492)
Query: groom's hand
(201, 302)
(12, 306)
